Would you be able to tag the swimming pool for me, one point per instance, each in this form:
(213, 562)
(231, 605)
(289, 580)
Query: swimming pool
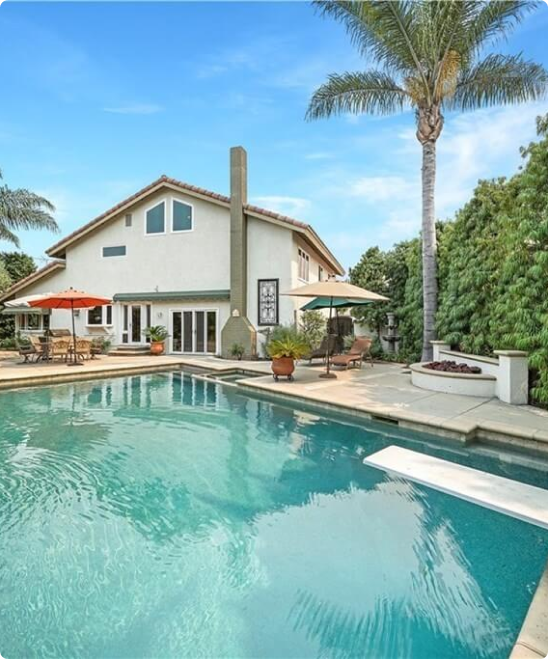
(165, 516)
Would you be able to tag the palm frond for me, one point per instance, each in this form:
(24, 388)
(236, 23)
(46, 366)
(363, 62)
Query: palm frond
(8, 236)
(494, 20)
(383, 30)
(372, 92)
(22, 209)
(499, 79)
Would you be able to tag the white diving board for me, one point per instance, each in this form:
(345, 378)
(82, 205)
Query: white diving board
(506, 496)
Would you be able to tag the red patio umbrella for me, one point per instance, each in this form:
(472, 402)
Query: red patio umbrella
(70, 299)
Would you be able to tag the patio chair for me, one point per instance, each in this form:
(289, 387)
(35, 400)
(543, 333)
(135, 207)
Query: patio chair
(320, 352)
(59, 348)
(26, 351)
(83, 348)
(360, 349)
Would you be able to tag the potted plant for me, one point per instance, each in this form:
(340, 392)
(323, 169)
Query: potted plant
(237, 351)
(157, 335)
(284, 352)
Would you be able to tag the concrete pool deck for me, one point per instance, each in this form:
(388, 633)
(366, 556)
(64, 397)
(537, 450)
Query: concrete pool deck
(383, 392)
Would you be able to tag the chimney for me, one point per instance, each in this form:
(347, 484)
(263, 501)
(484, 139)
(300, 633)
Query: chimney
(238, 230)
(238, 329)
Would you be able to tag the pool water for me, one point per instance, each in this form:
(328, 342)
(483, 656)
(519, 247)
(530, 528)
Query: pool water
(163, 516)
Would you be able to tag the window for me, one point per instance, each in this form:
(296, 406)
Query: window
(129, 219)
(182, 217)
(268, 302)
(33, 322)
(156, 219)
(304, 265)
(320, 274)
(101, 315)
(114, 251)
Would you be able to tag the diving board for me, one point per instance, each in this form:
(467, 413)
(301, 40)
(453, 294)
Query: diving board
(506, 496)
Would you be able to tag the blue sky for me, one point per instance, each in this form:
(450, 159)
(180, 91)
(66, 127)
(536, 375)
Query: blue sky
(99, 99)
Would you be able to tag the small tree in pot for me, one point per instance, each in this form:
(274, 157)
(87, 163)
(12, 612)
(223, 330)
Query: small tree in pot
(284, 351)
(157, 335)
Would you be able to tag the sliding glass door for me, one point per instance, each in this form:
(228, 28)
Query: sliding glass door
(193, 331)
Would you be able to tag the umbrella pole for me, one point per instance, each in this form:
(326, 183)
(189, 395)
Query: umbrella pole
(328, 373)
(74, 362)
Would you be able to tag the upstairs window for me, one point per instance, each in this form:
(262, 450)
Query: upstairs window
(304, 265)
(129, 219)
(182, 217)
(114, 251)
(320, 274)
(155, 221)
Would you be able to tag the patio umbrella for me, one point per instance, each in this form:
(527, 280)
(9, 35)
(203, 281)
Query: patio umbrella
(325, 303)
(335, 290)
(70, 299)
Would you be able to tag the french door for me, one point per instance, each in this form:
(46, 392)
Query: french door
(135, 318)
(194, 331)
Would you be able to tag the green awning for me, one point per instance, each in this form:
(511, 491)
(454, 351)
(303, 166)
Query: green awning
(151, 296)
(25, 310)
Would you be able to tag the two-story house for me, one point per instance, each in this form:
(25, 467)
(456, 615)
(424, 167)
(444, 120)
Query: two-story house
(209, 268)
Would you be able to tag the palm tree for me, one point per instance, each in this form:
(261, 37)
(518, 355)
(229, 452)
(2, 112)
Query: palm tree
(22, 209)
(431, 58)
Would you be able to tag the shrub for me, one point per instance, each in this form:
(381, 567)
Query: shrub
(237, 351)
(313, 327)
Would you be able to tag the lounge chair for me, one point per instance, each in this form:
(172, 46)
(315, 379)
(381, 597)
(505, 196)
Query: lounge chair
(360, 349)
(320, 352)
(40, 347)
(26, 351)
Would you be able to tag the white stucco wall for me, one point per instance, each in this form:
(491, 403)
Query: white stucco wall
(198, 260)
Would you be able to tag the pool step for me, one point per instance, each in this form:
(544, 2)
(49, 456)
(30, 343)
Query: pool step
(504, 495)
(126, 351)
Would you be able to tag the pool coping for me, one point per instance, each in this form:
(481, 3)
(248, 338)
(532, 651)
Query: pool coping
(532, 641)
(500, 435)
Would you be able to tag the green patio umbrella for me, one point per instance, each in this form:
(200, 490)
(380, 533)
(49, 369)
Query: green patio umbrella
(325, 303)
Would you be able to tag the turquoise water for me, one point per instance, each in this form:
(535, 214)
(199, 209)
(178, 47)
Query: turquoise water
(161, 516)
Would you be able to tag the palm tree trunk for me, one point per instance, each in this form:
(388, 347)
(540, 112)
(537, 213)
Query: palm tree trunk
(429, 248)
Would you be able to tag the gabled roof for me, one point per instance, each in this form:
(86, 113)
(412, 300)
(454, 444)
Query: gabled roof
(30, 279)
(308, 233)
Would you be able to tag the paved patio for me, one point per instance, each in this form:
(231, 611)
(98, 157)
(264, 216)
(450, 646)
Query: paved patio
(383, 392)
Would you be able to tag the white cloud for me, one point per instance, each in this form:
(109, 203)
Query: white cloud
(319, 155)
(476, 145)
(135, 109)
(291, 206)
(383, 188)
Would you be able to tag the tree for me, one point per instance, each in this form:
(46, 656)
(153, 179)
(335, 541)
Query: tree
(14, 266)
(17, 264)
(5, 279)
(22, 209)
(371, 273)
(431, 57)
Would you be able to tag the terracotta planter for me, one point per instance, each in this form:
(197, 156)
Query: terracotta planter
(284, 366)
(156, 347)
